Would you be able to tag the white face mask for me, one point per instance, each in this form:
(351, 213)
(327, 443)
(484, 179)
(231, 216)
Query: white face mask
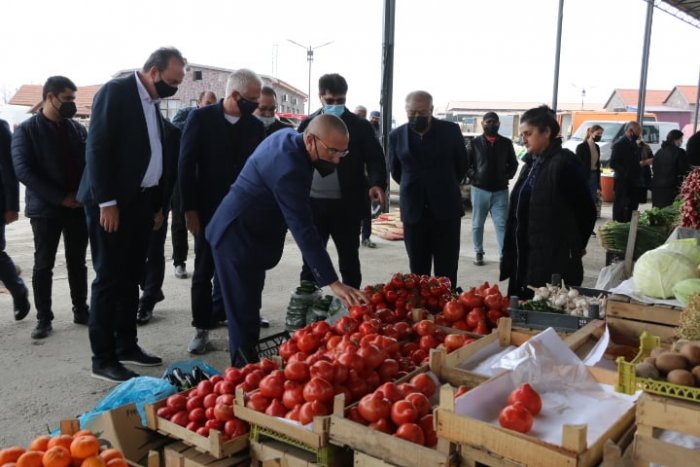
(267, 121)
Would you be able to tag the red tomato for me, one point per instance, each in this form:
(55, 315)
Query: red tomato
(203, 431)
(453, 311)
(482, 328)
(225, 399)
(226, 387)
(421, 403)
(428, 342)
(293, 394)
(426, 424)
(308, 342)
(214, 424)
(424, 328)
(297, 371)
(309, 410)
(357, 386)
(320, 328)
(461, 390)
(388, 369)
(391, 391)
(197, 415)
(346, 325)
(408, 348)
(287, 349)
(271, 387)
(254, 378)
(419, 355)
(516, 417)
(176, 402)
(352, 361)
(474, 316)
(235, 428)
(494, 316)
(318, 389)
(403, 411)
(276, 409)
(205, 387)
(372, 356)
(209, 413)
(461, 325)
(194, 402)
(294, 413)
(493, 301)
(374, 407)
(527, 396)
(193, 426)
(165, 412)
(358, 311)
(411, 432)
(268, 365)
(180, 418)
(223, 412)
(425, 384)
(210, 400)
(215, 379)
(382, 425)
(234, 375)
(322, 369)
(453, 342)
(257, 402)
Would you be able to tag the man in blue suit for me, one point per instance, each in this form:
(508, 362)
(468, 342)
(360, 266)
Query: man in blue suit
(216, 142)
(428, 158)
(248, 229)
(9, 212)
(124, 194)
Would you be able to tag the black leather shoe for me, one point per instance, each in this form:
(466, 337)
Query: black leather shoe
(140, 357)
(81, 315)
(22, 306)
(144, 315)
(264, 322)
(115, 373)
(42, 330)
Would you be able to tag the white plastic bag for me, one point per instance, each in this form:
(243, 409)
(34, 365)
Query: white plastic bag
(611, 276)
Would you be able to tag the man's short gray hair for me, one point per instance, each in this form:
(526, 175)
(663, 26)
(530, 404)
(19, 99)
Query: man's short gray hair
(240, 79)
(631, 124)
(420, 95)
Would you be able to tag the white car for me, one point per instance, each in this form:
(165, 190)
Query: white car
(14, 114)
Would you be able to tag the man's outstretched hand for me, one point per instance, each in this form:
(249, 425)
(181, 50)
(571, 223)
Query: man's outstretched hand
(350, 295)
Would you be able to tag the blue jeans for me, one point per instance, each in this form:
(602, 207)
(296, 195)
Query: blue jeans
(593, 182)
(483, 203)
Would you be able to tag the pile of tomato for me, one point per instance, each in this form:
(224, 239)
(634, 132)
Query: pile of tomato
(209, 406)
(408, 291)
(477, 310)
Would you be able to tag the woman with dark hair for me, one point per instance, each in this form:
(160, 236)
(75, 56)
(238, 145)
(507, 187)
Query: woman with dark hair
(588, 152)
(670, 166)
(551, 213)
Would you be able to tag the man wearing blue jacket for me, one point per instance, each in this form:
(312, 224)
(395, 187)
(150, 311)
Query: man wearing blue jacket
(48, 152)
(247, 231)
(9, 212)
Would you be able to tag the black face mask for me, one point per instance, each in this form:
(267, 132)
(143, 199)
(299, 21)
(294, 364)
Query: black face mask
(246, 107)
(66, 110)
(323, 167)
(491, 130)
(419, 123)
(164, 90)
(597, 138)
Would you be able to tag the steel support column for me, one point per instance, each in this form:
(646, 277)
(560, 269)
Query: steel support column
(555, 91)
(386, 101)
(645, 62)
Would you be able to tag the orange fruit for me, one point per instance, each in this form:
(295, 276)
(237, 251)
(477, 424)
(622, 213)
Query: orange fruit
(83, 433)
(30, 459)
(116, 462)
(84, 446)
(111, 453)
(61, 440)
(10, 454)
(93, 461)
(57, 456)
(9, 464)
(40, 443)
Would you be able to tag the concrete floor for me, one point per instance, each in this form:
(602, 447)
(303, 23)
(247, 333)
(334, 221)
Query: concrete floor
(45, 381)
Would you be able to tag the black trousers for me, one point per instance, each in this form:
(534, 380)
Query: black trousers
(8, 272)
(433, 244)
(626, 201)
(47, 234)
(119, 259)
(178, 230)
(201, 292)
(154, 273)
(332, 221)
(366, 227)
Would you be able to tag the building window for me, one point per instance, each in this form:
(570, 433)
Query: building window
(284, 97)
(169, 107)
(294, 101)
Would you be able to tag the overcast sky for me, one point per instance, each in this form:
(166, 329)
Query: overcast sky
(455, 49)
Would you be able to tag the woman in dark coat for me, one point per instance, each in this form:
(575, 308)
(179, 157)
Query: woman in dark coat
(670, 166)
(588, 153)
(551, 214)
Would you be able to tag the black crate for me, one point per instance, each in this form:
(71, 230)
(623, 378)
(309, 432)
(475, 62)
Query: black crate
(559, 321)
(268, 347)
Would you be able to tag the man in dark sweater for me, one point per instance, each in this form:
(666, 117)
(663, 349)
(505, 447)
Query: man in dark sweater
(491, 164)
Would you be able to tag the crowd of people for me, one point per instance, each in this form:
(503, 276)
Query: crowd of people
(236, 178)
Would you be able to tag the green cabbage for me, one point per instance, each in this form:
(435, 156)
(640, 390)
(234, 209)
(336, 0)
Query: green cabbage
(685, 288)
(657, 271)
(688, 247)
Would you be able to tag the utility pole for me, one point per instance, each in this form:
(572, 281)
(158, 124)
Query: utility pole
(310, 58)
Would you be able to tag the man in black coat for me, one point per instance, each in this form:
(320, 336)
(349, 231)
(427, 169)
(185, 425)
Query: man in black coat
(266, 111)
(216, 142)
(428, 159)
(124, 196)
(692, 148)
(626, 161)
(48, 152)
(340, 199)
(9, 207)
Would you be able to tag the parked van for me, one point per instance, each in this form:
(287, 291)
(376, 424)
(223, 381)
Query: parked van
(571, 121)
(653, 133)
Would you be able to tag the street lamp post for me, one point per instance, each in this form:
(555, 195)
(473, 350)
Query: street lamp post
(310, 58)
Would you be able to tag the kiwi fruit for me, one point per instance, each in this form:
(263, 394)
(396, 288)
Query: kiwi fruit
(646, 370)
(692, 353)
(682, 377)
(669, 361)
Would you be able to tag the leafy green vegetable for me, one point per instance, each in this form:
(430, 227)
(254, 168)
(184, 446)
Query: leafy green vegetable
(685, 288)
(657, 271)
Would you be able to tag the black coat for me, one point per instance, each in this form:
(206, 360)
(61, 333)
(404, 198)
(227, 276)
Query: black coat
(118, 149)
(558, 224)
(670, 166)
(212, 154)
(38, 158)
(9, 186)
(363, 167)
(624, 160)
(692, 148)
(276, 126)
(583, 153)
(432, 183)
(491, 166)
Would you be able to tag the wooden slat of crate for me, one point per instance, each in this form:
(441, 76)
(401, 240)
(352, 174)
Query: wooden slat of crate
(470, 456)
(627, 331)
(656, 412)
(182, 455)
(212, 445)
(360, 459)
(275, 453)
(619, 306)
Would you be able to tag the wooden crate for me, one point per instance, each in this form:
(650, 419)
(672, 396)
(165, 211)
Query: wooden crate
(275, 453)
(663, 413)
(182, 455)
(628, 318)
(382, 447)
(492, 445)
(212, 445)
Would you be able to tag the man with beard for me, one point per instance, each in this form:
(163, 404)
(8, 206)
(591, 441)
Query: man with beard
(491, 163)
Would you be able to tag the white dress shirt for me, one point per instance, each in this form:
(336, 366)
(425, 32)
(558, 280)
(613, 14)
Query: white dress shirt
(155, 164)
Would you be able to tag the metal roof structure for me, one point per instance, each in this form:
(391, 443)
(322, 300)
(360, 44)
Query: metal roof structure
(685, 10)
